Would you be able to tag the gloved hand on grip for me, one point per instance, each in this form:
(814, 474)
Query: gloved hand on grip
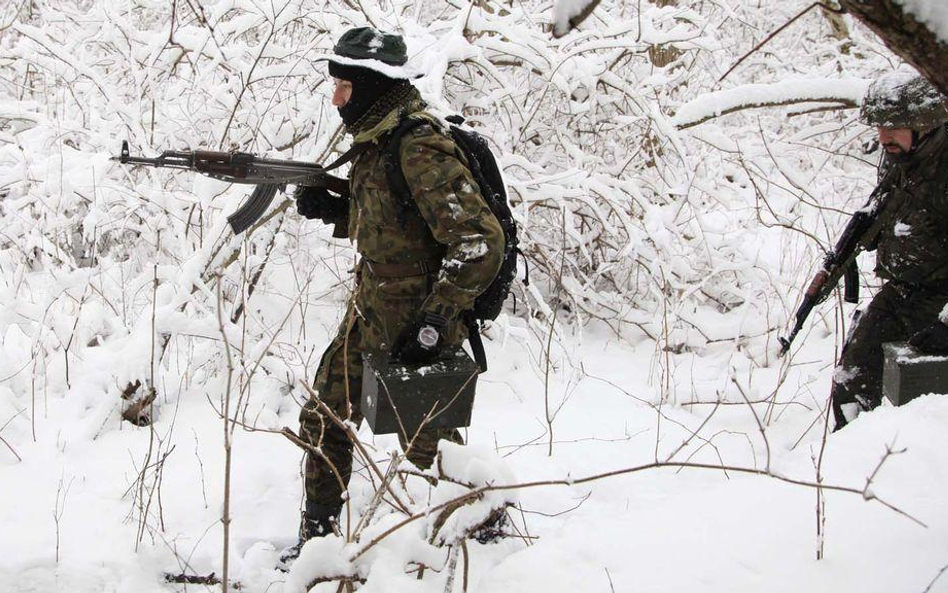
(931, 340)
(318, 202)
(421, 342)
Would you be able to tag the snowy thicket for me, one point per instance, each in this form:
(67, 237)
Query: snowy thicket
(625, 218)
(670, 220)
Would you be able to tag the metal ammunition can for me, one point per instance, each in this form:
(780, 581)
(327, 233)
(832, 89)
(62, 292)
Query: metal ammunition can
(908, 373)
(399, 398)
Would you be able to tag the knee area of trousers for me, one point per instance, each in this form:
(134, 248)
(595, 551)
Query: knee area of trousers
(845, 375)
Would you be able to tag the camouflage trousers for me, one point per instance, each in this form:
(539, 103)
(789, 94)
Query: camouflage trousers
(893, 315)
(338, 385)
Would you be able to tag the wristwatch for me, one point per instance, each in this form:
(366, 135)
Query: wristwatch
(428, 336)
(430, 331)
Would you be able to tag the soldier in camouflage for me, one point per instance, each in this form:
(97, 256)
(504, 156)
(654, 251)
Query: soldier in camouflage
(912, 248)
(422, 263)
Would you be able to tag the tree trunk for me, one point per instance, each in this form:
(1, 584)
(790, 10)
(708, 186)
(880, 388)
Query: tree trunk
(664, 54)
(838, 28)
(905, 36)
(588, 7)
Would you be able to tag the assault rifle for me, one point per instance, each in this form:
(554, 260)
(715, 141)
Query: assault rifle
(269, 175)
(859, 235)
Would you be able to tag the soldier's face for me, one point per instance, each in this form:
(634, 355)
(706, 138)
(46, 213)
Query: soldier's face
(341, 93)
(895, 140)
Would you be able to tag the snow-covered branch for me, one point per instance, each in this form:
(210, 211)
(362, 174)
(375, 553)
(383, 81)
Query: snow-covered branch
(845, 93)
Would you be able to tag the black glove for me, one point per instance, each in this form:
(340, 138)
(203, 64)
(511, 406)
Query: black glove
(317, 202)
(422, 341)
(931, 340)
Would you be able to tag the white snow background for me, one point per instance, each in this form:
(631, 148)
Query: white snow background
(666, 257)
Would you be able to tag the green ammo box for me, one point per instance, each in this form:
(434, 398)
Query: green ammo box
(908, 374)
(398, 397)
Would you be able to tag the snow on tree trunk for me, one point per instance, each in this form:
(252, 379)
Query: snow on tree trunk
(916, 30)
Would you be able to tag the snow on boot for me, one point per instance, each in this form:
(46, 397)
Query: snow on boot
(493, 529)
(317, 521)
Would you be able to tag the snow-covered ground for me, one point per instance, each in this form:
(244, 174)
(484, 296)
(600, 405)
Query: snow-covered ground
(670, 254)
(71, 521)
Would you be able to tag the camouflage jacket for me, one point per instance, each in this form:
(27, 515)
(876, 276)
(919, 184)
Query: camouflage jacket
(913, 243)
(451, 222)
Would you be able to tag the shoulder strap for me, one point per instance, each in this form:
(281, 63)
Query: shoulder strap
(392, 160)
(474, 339)
(402, 193)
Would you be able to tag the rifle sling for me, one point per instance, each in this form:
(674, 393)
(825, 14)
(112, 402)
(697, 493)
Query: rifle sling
(354, 151)
(893, 200)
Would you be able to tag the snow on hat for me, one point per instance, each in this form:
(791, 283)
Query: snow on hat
(365, 47)
(903, 99)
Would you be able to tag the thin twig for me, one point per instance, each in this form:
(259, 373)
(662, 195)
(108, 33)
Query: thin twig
(479, 492)
(777, 31)
(937, 576)
(760, 425)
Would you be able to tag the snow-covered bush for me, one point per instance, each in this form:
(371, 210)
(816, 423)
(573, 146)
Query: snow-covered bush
(625, 217)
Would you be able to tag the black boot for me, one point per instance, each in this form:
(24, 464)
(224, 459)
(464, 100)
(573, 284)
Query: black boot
(317, 521)
(495, 528)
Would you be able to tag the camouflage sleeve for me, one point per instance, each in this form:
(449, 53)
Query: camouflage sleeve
(459, 218)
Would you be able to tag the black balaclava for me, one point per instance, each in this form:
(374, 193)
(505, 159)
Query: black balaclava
(368, 86)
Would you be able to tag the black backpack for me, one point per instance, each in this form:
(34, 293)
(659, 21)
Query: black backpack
(484, 169)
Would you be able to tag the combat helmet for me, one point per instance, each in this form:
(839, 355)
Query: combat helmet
(904, 100)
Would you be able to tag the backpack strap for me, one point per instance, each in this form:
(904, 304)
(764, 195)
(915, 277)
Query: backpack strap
(474, 339)
(391, 162)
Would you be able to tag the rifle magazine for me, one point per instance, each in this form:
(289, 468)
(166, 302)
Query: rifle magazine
(251, 210)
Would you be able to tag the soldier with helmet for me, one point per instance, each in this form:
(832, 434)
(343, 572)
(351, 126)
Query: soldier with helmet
(422, 261)
(910, 116)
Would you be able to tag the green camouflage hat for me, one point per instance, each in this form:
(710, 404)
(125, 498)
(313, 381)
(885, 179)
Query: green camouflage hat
(373, 49)
(904, 100)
